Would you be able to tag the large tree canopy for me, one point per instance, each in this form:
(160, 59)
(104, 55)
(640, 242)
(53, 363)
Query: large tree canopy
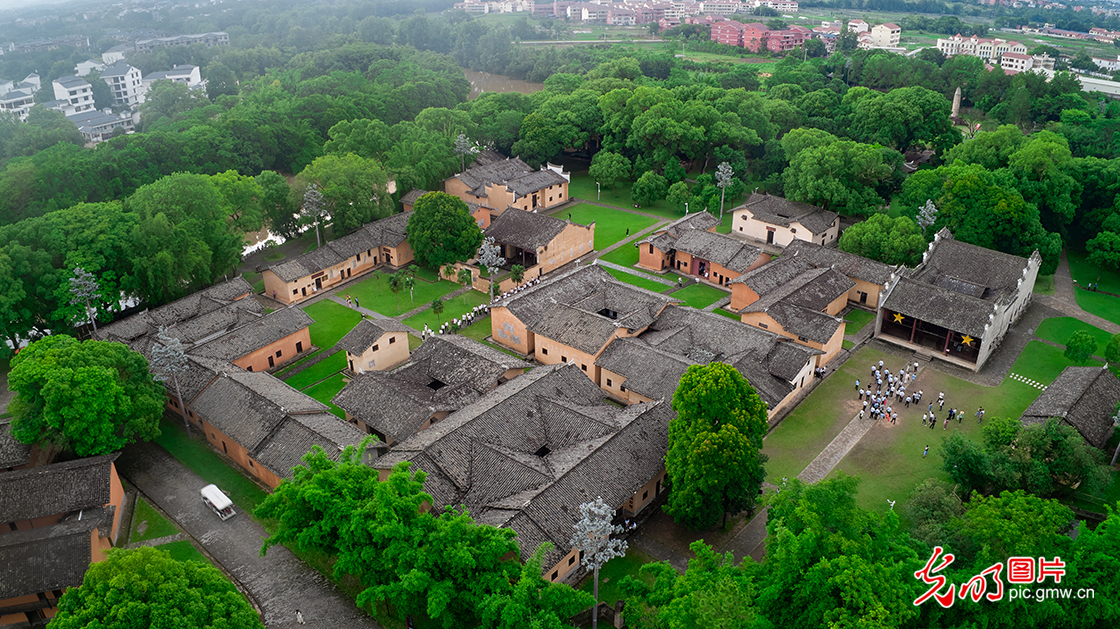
(93, 397)
(713, 462)
(890, 240)
(441, 230)
(145, 587)
(355, 189)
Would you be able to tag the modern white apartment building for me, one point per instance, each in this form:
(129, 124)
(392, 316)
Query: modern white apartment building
(126, 84)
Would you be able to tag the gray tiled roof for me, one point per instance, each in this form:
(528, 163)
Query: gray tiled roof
(12, 452)
(970, 270)
(201, 371)
(773, 275)
(193, 305)
(850, 264)
(387, 232)
(1082, 397)
(366, 333)
(249, 338)
(795, 294)
(525, 230)
(779, 211)
(412, 196)
(511, 172)
(72, 81)
(585, 331)
(588, 289)
(485, 455)
(722, 249)
(804, 322)
(397, 403)
(57, 488)
(49, 558)
(294, 437)
(119, 68)
(247, 406)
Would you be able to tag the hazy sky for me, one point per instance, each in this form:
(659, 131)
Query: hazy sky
(16, 4)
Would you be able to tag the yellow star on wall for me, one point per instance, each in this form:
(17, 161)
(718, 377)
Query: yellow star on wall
(967, 340)
(898, 318)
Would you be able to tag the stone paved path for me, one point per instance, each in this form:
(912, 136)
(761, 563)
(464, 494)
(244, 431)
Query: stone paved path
(834, 451)
(626, 269)
(1064, 300)
(278, 582)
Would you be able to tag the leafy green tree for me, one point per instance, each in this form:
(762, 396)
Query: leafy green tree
(243, 196)
(827, 560)
(355, 189)
(930, 509)
(712, 593)
(396, 283)
(1080, 346)
(168, 99)
(91, 397)
(839, 175)
(441, 230)
(609, 169)
(184, 240)
(367, 138)
(649, 189)
(990, 149)
(517, 273)
(220, 81)
(1104, 251)
(904, 117)
(534, 602)
(714, 461)
(437, 308)
(1112, 352)
(678, 194)
(145, 587)
(892, 241)
(102, 95)
(278, 206)
(1014, 523)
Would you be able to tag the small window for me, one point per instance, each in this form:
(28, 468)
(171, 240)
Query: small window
(763, 326)
(279, 353)
(563, 359)
(251, 463)
(583, 367)
(651, 248)
(555, 574)
(645, 494)
(609, 383)
(295, 292)
(544, 350)
(250, 368)
(571, 560)
(792, 230)
(803, 339)
(392, 339)
(376, 347)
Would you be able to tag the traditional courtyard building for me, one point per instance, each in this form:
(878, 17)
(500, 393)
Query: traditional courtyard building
(383, 242)
(869, 276)
(375, 345)
(958, 304)
(1082, 397)
(794, 299)
(497, 183)
(444, 374)
(527, 454)
(540, 243)
(778, 221)
(690, 245)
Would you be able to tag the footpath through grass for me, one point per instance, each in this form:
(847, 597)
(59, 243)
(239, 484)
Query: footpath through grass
(636, 280)
(154, 524)
(323, 369)
(1085, 273)
(201, 460)
(1059, 329)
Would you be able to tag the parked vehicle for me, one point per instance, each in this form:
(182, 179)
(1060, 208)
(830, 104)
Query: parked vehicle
(218, 502)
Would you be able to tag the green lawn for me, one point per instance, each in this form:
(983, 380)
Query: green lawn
(847, 344)
(285, 370)
(1044, 285)
(256, 279)
(326, 390)
(1098, 303)
(636, 280)
(332, 322)
(373, 293)
(1042, 363)
(700, 295)
(478, 330)
(424, 273)
(583, 187)
(625, 255)
(857, 319)
(155, 525)
(183, 550)
(413, 342)
(610, 225)
(1059, 329)
(612, 572)
(818, 418)
(728, 314)
(197, 455)
(889, 457)
(452, 308)
(321, 370)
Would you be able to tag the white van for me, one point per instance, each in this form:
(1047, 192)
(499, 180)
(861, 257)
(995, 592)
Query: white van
(218, 502)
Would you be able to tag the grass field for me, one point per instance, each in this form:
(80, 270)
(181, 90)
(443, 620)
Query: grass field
(373, 293)
(280, 374)
(1044, 285)
(728, 314)
(889, 458)
(326, 390)
(636, 280)
(332, 322)
(856, 320)
(625, 255)
(327, 367)
(198, 456)
(256, 279)
(183, 550)
(700, 295)
(478, 330)
(455, 307)
(610, 225)
(613, 571)
(1059, 329)
(1098, 303)
(154, 524)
